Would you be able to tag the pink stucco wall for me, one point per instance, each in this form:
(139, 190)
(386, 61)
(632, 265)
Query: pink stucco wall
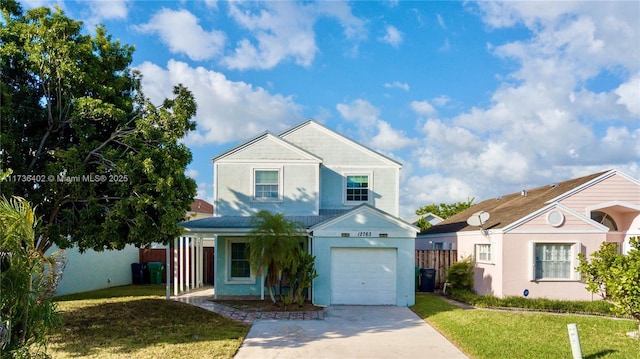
(518, 266)
(510, 270)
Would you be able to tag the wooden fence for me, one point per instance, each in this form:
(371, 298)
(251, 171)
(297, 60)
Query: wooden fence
(159, 255)
(440, 260)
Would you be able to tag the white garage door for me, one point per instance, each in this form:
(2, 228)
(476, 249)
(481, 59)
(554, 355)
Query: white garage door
(365, 276)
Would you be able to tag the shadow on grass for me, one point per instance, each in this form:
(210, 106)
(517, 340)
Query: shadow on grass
(128, 325)
(600, 354)
(146, 290)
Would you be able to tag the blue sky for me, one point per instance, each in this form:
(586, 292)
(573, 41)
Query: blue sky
(476, 99)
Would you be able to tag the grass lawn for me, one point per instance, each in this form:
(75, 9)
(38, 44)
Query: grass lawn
(137, 322)
(492, 334)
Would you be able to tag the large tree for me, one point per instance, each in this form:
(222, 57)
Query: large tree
(442, 210)
(102, 163)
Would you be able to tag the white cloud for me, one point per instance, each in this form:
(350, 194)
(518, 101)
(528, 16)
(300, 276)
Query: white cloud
(392, 36)
(441, 100)
(354, 28)
(227, 111)
(397, 84)
(373, 131)
(441, 21)
(390, 139)
(190, 172)
(181, 32)
(546, 122)
(418, 191)
(629, 95)
(283, 30)
(204, 191)
(423, 108)
(360, 111)
(112, 9)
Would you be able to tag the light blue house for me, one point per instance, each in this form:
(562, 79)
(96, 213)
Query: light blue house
(345, 195)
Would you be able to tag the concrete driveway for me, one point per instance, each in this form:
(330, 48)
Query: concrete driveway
(348, 332)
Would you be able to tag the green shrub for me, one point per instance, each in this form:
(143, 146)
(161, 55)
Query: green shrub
(538, 304)
(460, 275)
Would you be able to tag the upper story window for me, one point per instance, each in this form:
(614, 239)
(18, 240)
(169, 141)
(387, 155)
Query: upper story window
(604, 219)
(267, 185)
(357, 188)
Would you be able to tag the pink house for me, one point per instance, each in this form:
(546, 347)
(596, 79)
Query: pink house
(530, 242)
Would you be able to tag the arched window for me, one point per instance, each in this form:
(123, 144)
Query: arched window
(604, 219)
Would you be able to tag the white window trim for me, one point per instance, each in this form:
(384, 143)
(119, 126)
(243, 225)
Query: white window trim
(477, 259)
(280, 185)
(235, 280)
(576, 247)
(369, 188)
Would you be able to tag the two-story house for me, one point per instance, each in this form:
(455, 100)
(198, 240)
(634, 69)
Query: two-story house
(346, 196)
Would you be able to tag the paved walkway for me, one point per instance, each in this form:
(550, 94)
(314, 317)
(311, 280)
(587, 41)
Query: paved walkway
(203, 298)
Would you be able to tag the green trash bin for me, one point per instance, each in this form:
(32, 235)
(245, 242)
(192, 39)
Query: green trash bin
(155, 272)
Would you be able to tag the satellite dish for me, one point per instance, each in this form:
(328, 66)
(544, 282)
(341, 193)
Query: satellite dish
(478, 219)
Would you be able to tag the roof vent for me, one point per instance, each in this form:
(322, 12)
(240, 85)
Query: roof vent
(523, 193)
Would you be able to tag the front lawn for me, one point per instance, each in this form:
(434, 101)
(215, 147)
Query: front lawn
(137, 322)
(483, 333)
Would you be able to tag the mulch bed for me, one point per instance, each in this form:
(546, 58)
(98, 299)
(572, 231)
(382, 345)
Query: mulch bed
(266, 306)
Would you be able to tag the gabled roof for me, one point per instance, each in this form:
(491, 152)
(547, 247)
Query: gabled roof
(311, 122)
(366, 208)
(510, 208)
(242, 223)
(238, 224)
(268, 136)
(200, 206)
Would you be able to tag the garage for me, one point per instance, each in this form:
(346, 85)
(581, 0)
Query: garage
(364, 276)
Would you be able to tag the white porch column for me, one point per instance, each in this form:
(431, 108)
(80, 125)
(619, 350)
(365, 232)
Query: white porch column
(215, 266)
(181, 265)
(192, 249)
(175, 266)
(166, 267)
(200, 262)
(187, 262)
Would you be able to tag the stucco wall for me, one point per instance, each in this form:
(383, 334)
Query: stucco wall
(96, 270)
(517, 266)
(223, 285)
(488, 275)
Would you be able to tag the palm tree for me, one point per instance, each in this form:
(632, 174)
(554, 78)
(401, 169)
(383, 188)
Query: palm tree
(28, 282)
(275, 247)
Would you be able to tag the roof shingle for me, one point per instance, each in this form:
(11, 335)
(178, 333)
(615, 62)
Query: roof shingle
(509, 208)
